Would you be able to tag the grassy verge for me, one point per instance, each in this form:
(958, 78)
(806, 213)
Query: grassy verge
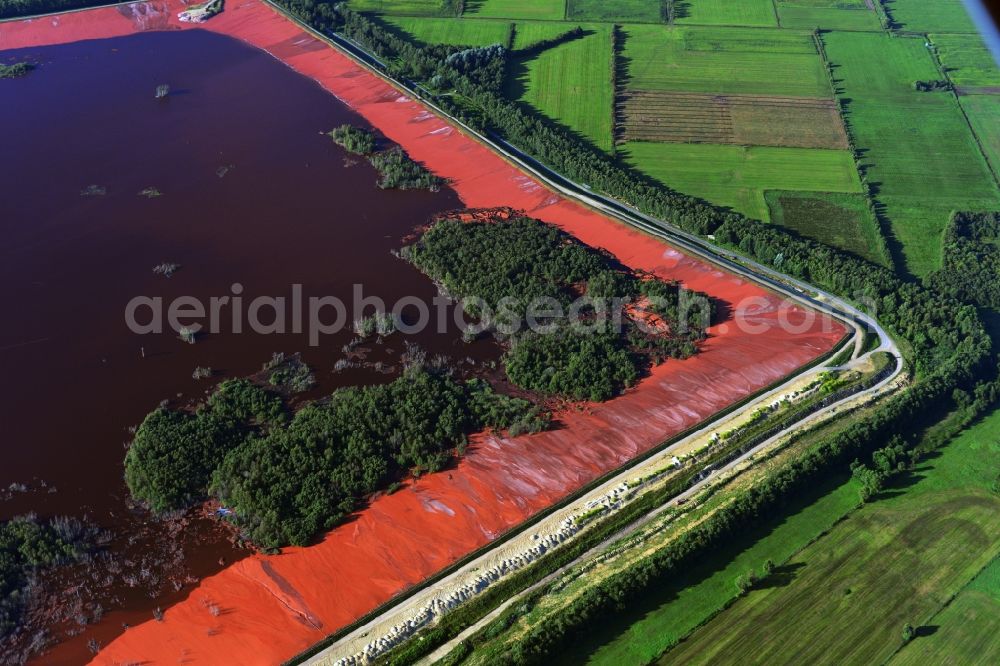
(669, 612)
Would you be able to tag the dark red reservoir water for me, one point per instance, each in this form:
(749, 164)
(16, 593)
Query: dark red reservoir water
(252, 193)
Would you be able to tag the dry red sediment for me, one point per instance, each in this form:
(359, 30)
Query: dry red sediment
(264, 609)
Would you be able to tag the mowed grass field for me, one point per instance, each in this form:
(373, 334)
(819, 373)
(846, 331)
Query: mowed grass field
(967, 631)
(637, 11)
(922, 155)
(465, 32)
(840, 220)
(930, 15)
(571, 84)
(966, 60)
(724, 60)
(516, 9)
(828, 14)
(984, 116)
(727, 12)
(671, 611)
(738, 176)
(895, 561)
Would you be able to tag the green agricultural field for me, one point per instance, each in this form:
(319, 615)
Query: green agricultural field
(967, 631)
(402, 7)
(724, 60)
(895, 561)
(738, 176)
(930, 15)
(840, 220)
(967, 60)
(828, 14)
(984, 116)
(571, 84)
(727, 12)
(636, 11)
(550, 10)
(926, 163)
(466, 32)
(879, 64)
(653, 624)
(920, 152)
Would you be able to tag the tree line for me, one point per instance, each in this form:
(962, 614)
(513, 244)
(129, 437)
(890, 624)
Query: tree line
(971, 259)
(14, 8)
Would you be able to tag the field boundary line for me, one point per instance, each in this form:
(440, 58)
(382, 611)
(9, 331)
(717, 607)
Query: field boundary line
(933, 49)
(944, 606)
(882, 223)
(617, 87)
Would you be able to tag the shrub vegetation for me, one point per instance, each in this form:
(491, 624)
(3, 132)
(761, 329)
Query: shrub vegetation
(288, 478)
(174, 452)
(28, 547)
(399, 172)
(16, 70)
(353, 139)
(517, 265)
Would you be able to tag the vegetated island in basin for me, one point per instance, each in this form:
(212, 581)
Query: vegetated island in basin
(516, 264)
(18, 69)
(286, 475)
(30, 549)
(396, 170)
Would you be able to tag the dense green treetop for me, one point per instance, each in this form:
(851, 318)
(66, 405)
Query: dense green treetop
(287, 479)
(521, 268)
(971, 259)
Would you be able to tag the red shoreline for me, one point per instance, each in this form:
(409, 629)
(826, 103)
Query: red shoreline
(272, 607)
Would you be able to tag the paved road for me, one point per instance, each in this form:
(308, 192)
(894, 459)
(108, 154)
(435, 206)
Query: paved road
(750, 269)
(790, 287)
(640, 523)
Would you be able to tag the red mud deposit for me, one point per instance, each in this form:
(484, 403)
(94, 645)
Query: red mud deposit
(264, 609)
